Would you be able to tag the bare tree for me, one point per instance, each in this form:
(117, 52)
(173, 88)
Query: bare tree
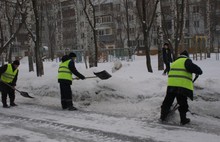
(89, 10)
(177, 13)
(160, 37)
(128, 26)
(147, 16)
(51, 24)
(11, 13)
(22, 10)
(36, 39)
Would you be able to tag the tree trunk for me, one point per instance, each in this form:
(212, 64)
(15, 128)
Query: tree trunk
(160, 37)
(93, 56)
(208, 28)
(146, 27)
(38, 58)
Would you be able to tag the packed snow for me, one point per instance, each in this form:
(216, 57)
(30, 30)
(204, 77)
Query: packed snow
(125, 107)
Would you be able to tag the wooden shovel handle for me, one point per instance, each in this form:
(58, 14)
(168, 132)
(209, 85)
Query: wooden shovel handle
(86, 77)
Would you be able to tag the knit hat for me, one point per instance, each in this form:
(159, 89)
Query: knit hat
(185, 53)
(166, 44)
(16, 62)
(72, 55)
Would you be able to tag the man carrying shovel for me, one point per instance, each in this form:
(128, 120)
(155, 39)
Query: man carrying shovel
(8, 75)
(65, 71)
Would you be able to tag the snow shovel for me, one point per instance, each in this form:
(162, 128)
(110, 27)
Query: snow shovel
(103, 75)
(24, 94)
(195, 78)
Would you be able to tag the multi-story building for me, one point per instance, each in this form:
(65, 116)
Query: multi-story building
(118, 25)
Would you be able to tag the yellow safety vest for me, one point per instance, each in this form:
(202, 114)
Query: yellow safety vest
(178, 75)
(64, 71)
(9, 74)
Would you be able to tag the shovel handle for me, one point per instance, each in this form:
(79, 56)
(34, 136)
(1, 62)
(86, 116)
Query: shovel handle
(195, 78)
(86, 77)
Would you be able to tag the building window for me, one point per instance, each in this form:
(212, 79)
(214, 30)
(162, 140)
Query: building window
(118, 7)
(106, 19)
(130, 17)
(105, 32)
(81, 12)
(82, 24)
(131, 30)
(187, 24)
(196, 24)
(141, 42)
(83, 35)
(155, 41)
(101, 32)
(106, 7)
(130, 5)
(195, 9)
(98, 20)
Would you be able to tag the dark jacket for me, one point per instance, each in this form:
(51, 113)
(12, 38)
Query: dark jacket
(72, 69)
(4, 68)
(167, 58)
(192, 68)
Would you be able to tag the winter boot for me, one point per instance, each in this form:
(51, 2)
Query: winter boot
(13, 104)
(6, 106)
(72, 108)
(183, 119)
(163, 115)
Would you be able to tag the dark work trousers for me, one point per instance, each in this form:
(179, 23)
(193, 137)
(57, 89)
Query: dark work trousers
(66, 95)
(181, 98)
(6, 90)
(167, 69)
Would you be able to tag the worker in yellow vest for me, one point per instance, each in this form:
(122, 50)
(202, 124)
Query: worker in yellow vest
(8, 75)
(180, 86)
(65, 71)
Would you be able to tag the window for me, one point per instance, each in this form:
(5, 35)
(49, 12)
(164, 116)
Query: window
(131, 30)
(196, 24)
(118, 7)
(195, 9)
(141, 42)
(106, 7)
(82, 35)
(105, 32)
(169, 25)
(187, 24)
(108, 31)
(81, 12)
(130, 17)
(81, 24)
(98, 20)
(106, 19)
(130, 5)
(101, 32)
(155, 41)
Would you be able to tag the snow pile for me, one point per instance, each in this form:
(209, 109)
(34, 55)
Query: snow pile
(131, 91)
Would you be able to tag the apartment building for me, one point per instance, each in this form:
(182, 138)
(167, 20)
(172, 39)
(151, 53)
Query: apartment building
(71, 29)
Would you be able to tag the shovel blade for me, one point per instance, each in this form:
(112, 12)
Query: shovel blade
(25, 94)
(103, 75)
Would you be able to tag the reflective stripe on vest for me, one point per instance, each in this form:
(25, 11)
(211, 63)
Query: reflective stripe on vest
(64, 71)
(9, 74)
(178, 75)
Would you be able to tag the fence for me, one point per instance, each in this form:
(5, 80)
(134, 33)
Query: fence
(108, 55)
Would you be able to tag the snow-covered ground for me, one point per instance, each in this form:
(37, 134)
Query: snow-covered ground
(125, 107)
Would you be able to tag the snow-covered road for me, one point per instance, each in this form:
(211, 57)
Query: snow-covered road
(30, 122)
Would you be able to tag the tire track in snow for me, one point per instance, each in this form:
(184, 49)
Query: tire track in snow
(113, 137)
